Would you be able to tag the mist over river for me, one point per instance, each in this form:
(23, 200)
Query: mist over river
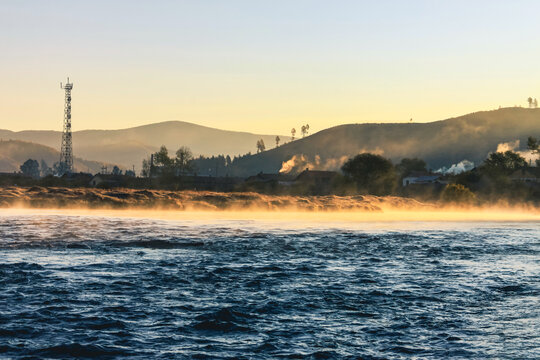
(88, 286)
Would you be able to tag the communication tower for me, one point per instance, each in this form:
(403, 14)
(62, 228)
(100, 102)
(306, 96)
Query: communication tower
(66, 153)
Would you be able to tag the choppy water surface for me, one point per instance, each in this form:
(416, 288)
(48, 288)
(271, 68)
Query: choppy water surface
(119, 287)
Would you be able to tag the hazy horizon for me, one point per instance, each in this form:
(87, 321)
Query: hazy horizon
(312, 131)
(264, 66)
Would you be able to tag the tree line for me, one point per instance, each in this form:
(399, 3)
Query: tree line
(184, 162)
(260, 145)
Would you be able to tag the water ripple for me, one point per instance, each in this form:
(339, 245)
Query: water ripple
(89, 287)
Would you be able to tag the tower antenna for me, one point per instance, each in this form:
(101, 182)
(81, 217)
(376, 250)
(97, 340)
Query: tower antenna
(66, 153)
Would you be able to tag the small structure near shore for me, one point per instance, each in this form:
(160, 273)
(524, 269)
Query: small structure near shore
(261, 177)
(421, 178)
(108, 180)
(77, 179)
(317, 182)
(527, 175)
(317, 177)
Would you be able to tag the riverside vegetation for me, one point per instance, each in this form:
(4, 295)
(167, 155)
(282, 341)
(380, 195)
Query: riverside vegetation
(363, 174)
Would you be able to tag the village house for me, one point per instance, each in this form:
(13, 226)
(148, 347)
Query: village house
(317, 177)
(222, 183)
(108, 180)
(282, 179)
(317, 181)
(527, 175)
(421, 178)
(77, 179)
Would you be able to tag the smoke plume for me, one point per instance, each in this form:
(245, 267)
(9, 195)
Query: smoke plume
(462, 166)
(300, 162)
(514, 146)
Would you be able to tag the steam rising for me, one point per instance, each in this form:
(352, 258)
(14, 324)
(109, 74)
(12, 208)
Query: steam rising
(42, 197)
(208, 206)
(466, 165)
(514, 146)
(462, 166)
(300, 162)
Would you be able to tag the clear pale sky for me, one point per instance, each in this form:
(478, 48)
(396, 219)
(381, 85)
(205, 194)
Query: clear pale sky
(263, 66)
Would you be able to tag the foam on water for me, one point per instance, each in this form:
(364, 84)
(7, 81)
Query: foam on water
(129, 287)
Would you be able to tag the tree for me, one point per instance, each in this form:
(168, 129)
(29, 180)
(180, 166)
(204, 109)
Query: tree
(503, 164)
(145, 171)
(163, 164)
(534, 146)
(30, 168)
(535, 103)
(530, 101)
(277, 140)
(129, 173)
(407, 166)
(60, 168)
(45, 169)
(372, 173)
(184, 160)
(161, 158)
(304, 129)
(293, 132)
(116, 170)
(260, 145)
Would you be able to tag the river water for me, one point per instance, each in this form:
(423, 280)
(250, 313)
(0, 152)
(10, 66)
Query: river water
(120, 287)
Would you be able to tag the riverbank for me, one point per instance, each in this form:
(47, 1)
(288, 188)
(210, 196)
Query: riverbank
(61, 197)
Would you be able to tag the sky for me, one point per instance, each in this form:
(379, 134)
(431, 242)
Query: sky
(263, 66)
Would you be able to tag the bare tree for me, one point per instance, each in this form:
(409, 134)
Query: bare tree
(45, 169)
(145, 172)
(303, 130)
(60, 168)
(260, 146)
(293, 132)
(277, 140)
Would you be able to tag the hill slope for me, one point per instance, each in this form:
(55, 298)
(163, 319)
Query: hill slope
(440, 143)
(127, 147)
(14, 152)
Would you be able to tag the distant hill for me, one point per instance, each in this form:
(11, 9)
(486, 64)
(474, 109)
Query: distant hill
(441, 143)
(127, 147)
(15, 152)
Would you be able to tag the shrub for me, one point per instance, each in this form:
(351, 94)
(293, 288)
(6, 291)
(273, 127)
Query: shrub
(458, 194)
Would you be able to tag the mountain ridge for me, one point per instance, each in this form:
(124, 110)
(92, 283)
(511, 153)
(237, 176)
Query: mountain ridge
(440, 143)
(14, 153)
(127, 147)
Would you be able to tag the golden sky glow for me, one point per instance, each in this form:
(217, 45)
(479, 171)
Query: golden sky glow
(263, 67)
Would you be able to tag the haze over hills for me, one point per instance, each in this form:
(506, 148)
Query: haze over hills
(13, 153)
(440, 143)
(127, 147)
